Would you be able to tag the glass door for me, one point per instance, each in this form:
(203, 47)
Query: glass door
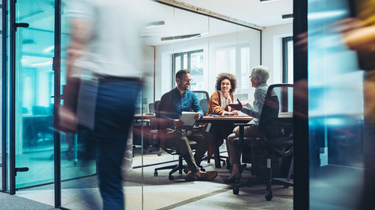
(34, 92)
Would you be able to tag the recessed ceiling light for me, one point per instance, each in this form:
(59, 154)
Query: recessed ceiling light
(287, 16)
(266, 1)
(189, 36)
(155, 24)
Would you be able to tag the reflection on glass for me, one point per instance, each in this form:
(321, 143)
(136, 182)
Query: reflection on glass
(34, 89)
(335, 112)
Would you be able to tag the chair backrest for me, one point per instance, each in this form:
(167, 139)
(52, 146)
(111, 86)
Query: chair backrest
(151, 107)
(276, 133)
(156, 106)
(40, 110)
(203, 98)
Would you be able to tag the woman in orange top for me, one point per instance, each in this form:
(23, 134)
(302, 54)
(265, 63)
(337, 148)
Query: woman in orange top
(218, 104)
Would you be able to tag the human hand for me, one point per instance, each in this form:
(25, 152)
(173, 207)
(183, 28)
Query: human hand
(234, 112)
(236, 106)
(178, 123)
(226, 95)
(197, 116)
(67, 121)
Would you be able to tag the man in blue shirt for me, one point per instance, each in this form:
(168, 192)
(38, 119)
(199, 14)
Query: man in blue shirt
(171, 106)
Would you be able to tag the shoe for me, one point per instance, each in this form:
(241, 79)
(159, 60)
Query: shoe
(187, 170)
(237, 176)
(242, 168)
(208, 175)
(205, 176)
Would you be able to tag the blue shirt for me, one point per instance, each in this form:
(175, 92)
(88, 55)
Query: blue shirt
(172, 105)
(259, 97)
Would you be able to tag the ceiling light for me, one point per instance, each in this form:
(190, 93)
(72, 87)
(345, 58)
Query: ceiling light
(327, 14)
(42, 64)
(32, 13)
(49, 49)
(155, 24)
(287, 16)
(189, 36)
(266, 1)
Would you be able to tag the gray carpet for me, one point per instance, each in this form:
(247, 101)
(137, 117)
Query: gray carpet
(10, 202)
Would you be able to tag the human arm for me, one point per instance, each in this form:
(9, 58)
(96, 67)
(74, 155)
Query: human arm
(165, 109)
(81, 33)
(196, 107)
(254, 111)
(214, 106)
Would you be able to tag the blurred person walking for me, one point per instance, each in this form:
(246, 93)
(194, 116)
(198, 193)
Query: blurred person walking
(105, 57)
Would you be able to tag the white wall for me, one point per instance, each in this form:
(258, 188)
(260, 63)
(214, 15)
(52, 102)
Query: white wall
(272, 49)
(163, 66)
(271, 56)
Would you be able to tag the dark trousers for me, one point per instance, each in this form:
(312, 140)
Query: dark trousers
(115, 107)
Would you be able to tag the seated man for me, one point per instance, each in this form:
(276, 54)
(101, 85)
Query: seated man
(171, 106)
(259, 76)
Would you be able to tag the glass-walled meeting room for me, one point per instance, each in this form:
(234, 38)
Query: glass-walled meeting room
(204, 45)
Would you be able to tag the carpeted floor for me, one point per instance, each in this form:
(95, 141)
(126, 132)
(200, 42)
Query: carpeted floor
(161, 193)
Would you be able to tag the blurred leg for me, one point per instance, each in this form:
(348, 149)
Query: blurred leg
(114, 113)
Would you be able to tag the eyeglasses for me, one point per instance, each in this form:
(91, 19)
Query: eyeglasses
(188, 80)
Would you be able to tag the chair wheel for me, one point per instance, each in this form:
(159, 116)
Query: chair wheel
(268, 197)
(155, 173)
(159, 154)
(236, 190)
(171, 178)
(286, 186)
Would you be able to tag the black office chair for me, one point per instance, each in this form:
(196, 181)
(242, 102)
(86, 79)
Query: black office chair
(159, 134)
(275, 139)
(151, 108)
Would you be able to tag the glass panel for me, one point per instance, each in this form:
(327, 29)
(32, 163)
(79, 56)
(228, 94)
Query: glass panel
(337, 135)
(196, 70)
(222, 51)
(34, 91)
(1, 107)
(290, 62)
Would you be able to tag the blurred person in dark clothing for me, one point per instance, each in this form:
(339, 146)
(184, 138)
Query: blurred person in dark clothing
(105, 55)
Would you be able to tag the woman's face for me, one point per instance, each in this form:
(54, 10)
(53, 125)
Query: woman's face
(225, 86)
(254, 82)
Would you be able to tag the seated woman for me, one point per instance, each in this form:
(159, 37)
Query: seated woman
(218, 104)
(259, 76)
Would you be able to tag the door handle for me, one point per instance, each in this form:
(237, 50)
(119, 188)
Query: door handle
(22, 169)
(21, 25)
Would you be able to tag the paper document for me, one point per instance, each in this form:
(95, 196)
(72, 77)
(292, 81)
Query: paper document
(188, 118)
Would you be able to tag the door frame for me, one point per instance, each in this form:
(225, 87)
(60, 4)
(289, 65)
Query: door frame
(11, 86)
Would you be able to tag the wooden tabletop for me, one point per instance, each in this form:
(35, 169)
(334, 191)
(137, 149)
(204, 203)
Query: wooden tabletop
(227, 118)
(145, 116)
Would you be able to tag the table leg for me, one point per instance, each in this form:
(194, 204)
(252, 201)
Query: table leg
(216, 147)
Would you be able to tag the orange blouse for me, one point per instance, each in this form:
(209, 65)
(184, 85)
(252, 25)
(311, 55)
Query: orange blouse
(214, 104)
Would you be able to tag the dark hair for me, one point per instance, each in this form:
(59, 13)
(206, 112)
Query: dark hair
(230, 77)
(182, 72)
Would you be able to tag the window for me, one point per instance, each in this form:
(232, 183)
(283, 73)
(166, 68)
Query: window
(288, 60)
(235, 60)
(192, 61)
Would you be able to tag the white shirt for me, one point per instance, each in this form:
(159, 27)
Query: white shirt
(116, 47)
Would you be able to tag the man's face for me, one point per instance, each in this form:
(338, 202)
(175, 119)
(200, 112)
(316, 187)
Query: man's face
(184, 82)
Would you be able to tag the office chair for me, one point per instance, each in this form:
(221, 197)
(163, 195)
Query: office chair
(151, 108)
(158, 134)
(203, 99)
(275, 138)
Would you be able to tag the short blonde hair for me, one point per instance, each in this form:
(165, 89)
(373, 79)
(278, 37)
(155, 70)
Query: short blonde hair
(261, 73)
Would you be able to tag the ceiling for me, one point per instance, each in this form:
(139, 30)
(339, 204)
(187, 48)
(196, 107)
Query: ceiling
(252, 11)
